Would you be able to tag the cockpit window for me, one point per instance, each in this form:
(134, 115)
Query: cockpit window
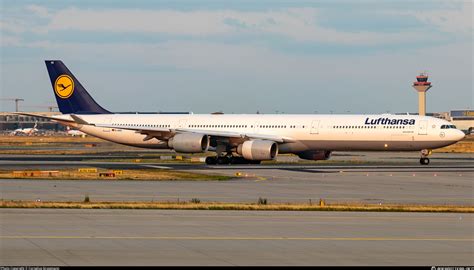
(448, 126)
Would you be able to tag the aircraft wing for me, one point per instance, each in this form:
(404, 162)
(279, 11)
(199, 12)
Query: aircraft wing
(62, 118)
(150, 132)
(166, 133)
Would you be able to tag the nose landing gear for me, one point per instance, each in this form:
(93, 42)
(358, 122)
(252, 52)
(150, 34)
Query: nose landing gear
(424, 160)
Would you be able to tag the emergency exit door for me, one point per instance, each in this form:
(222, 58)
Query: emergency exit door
(314, 127)
(423, 127)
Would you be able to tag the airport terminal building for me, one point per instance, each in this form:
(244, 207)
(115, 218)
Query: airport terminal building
(10, 121)
(463, 119)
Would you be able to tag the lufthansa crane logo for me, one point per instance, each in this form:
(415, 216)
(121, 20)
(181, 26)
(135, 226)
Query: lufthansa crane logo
(64, 86)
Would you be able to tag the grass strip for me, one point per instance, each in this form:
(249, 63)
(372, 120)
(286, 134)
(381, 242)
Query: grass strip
(239, 206)
(142, 175)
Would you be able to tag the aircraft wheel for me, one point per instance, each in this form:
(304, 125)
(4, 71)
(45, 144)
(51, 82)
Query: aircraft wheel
(241, 160)
(211, 160)
(237, 160)
(223, 160)
(424, 161)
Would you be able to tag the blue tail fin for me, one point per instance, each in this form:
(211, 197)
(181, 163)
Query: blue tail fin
(70, 94)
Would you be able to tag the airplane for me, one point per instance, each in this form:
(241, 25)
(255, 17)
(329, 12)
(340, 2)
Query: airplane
(247, 138)
(26, 131)
(74, 132)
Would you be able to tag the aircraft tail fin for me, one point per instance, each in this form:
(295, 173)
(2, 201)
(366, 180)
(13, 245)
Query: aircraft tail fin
(70, 95)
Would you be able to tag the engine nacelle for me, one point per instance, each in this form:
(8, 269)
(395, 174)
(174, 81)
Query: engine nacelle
(315, 155)
(189, 143)
(258, 150)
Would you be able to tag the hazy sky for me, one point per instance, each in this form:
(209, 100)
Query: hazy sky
(242, 56)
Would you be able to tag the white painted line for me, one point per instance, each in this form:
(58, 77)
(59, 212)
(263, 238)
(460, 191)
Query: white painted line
(156, 167)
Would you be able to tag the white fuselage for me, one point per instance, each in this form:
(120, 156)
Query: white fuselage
(27, 131)
(307, 132)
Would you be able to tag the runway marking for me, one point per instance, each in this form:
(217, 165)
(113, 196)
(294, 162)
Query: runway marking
(155, 166)
(236, 238)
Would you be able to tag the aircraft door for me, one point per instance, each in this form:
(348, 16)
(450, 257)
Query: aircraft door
(182, 123)
(423, 127)
(107, 120)
(314, 127)
(256, 127)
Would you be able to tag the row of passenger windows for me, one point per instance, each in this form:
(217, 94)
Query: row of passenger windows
(353, 127)
(367, 127)
(204, 126)
(218, 126)
(241, 126)
(447, 126)
(142, 125)
(267, 126)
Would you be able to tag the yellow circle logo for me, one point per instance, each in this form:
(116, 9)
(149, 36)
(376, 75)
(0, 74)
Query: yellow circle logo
(64, 86)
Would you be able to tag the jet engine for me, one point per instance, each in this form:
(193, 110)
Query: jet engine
(258, 150)
(314, 155)
(189, 143)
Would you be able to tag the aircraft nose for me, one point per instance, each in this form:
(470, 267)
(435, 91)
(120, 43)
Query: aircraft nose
(459, 135)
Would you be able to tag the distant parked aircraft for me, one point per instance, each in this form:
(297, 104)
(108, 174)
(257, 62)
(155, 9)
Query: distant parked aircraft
(74, 132)
(26, 131)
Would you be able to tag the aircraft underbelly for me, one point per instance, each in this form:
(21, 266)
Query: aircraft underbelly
(125, 137)
(344, 145)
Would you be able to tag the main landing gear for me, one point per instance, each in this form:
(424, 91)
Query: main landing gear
(221, 160)
(424, 160)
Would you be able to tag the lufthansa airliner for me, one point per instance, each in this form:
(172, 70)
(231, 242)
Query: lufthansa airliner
(247, 138)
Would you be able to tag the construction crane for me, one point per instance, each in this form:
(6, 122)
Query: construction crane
(17, 100)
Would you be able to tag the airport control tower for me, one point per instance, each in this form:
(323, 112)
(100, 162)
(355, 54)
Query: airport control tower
(421, 86)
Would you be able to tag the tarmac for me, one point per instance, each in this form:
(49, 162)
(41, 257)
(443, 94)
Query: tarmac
(452, 188)
(153, 237)
(448, 180)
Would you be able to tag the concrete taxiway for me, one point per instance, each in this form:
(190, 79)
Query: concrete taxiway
(449, 179)
(154, 237)
(276, 186)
